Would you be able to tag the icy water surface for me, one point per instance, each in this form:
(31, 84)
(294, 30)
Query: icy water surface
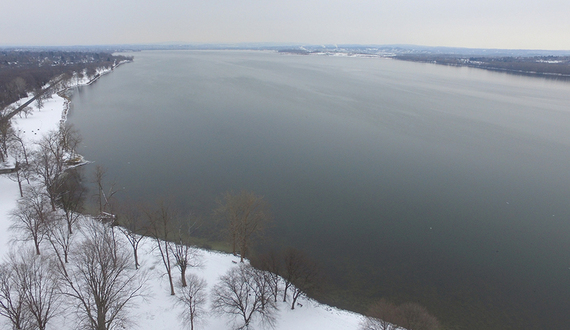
(445, 186)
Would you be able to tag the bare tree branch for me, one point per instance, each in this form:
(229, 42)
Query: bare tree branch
(100, 280)
(159, 229)
(193, 298)
(245, 215)
(244, 294)
(32, 216)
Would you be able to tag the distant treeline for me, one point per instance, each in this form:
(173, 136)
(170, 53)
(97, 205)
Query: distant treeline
(22, 72)
(294, 51)
(537, 65)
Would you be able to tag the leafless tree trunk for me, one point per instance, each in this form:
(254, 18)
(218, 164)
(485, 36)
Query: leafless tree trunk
(48, 164)
(41, 287)
(71, 196)
(271, 262)
(51, 157)
(193, 298)
(29, 294)
(69, 138)
(18, 151)
(60, 239)
(6, 132)
(130, 220)
(243, 293)
(27, 111)
(184, 255)
(39, 99)
(100, 280)
(246, 215)
(160, 225)
(18, 147)
(12, 295)
(301, 273)
(104, 198)
(32, 216)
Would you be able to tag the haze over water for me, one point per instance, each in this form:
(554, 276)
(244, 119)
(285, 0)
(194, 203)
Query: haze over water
(446, 186)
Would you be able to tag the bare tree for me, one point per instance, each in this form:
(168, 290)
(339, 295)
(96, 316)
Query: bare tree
(18, 151)
(29, 294)
(160, 224)
(17, 88)
(413, 316)
(39, 99)
(69, 139)
(26, 111)
(17, 145)
(32, 216)
(131, 225)
(184, 255)
(301, 273)
(90, 73)
(79, 77)
(51, 159)
(71, 196)
(246, 215)
(104, 197)
(61, 239)
(101, 281)
(382, 315)
(5, 132)
(18, 175)
(272, 263)
(48, 164)
(41, 287)
(239, 293)
(12, 297)
(193, 298)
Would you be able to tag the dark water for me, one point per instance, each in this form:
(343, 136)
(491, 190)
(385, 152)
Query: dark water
(445, 186)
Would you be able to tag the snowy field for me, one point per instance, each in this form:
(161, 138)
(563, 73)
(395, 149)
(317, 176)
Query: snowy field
(158, 309)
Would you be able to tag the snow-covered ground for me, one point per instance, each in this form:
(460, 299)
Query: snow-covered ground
(158, 310)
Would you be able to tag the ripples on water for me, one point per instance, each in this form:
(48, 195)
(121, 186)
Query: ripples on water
(446, 186)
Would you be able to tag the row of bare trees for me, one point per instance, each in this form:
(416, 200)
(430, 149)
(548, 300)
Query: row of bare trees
(29, 291)
(384, 315)
(25, 71)
(83, 269)
(43, 161)
(292, 274)
(250, 293)
(95, 281)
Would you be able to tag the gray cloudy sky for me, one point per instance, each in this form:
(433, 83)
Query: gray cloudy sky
(528, 24)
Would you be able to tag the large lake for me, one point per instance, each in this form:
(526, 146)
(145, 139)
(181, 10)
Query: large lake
(442, 185)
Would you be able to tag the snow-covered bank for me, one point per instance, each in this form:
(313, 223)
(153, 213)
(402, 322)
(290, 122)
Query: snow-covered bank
(158, 310)
(33, 128)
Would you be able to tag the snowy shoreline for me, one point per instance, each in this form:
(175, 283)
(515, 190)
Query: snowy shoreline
(158, 310)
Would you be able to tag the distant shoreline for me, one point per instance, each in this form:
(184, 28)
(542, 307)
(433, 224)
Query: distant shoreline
(553, 67)
(557, 67)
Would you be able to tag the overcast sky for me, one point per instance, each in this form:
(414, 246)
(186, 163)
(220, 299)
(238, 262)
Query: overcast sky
(522, 24)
